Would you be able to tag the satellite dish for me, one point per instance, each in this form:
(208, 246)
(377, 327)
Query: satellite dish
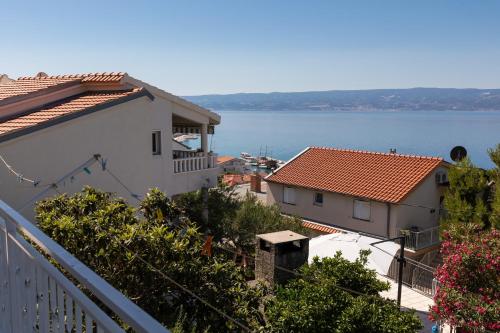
(458, 153)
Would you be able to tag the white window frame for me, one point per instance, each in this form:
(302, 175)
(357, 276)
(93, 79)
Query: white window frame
(289, 195)
(156, 142)
(358, 204)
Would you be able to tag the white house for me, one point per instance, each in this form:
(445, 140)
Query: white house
(376, 193)
(107, 130)
(232, 164)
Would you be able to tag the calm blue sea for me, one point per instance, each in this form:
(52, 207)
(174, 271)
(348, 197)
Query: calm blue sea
(286, 133)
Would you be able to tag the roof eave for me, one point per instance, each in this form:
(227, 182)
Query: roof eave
(55, 121)
(214, 117)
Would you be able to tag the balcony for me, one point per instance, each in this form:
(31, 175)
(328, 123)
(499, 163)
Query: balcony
(417, 240)
(194, 162)
(36, 297)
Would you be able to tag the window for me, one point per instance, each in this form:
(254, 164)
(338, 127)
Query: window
(156, 147)
(289, 195)
(361, 210)
(318, 199)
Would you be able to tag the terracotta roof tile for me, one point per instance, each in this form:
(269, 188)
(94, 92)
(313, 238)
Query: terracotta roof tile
(88, 77)
(224, 159)
(321, 227)
(371, 175)
(61, 108)
(24, 87)
(30, 84)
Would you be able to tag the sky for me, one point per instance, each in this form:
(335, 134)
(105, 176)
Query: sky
(203, 47)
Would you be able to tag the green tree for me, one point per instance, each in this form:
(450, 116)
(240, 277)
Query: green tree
(495, 187)
(466, 198)
(314, 302)
(236, 220)
(221, 203)
(253, 217)
(105, 233)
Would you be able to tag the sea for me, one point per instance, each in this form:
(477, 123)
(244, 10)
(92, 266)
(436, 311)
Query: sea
(283, 134)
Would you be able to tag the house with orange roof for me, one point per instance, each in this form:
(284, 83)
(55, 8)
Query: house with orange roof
(231, 164)
(382, 194)
(107, 130)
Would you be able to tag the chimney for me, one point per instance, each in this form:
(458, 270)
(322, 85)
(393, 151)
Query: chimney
(4, 78)
(255, 181)
(279, 253)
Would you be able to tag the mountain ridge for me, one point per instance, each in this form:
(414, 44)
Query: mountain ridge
(420, 98)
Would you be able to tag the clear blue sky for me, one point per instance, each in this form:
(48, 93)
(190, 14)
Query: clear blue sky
(198, 47)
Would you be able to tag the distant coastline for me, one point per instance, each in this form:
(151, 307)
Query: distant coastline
(414, 99)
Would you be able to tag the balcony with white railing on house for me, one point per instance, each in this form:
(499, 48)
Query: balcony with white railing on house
(36, 297)
(195, 162)
(417, 240)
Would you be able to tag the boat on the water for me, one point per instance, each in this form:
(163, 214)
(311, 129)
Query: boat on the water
(245, 156)
(261, 161)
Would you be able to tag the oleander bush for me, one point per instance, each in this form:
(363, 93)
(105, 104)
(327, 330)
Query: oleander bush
(468, 295)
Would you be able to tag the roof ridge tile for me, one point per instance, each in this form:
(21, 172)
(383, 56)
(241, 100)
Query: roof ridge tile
(378, 153)
(372, 175)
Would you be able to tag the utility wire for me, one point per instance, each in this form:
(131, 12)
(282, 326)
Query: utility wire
(298, 273)
(185, 289)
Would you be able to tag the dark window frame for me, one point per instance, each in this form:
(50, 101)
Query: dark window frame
(315, 199)
(156, 142)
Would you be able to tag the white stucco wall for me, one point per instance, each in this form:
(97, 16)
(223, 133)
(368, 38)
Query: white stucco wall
(426, 197)
(121, 134)
(337, 209)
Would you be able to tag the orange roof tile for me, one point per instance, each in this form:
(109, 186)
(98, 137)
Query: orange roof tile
(377, 176)
(62, 108)
(235, 179)
(30, 84)
(320, 227)
(24, 87)
(224, 159)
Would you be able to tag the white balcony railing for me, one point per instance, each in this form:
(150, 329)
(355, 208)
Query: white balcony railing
(417, 240)
(36, 297)
(190, 164)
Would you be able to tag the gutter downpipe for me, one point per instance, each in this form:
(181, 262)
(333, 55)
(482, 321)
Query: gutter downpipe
(388, 220)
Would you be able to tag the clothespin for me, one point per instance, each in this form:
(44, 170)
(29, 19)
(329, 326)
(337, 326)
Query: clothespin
(103, 163)
(207, 247)
(87, 170)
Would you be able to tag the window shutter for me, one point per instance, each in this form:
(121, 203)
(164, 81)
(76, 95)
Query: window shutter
(362, 210)
(289, 195)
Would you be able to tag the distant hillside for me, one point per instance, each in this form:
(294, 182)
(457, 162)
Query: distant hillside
(378, 99)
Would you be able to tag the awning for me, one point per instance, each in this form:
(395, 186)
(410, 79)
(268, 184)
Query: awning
(350, 244)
